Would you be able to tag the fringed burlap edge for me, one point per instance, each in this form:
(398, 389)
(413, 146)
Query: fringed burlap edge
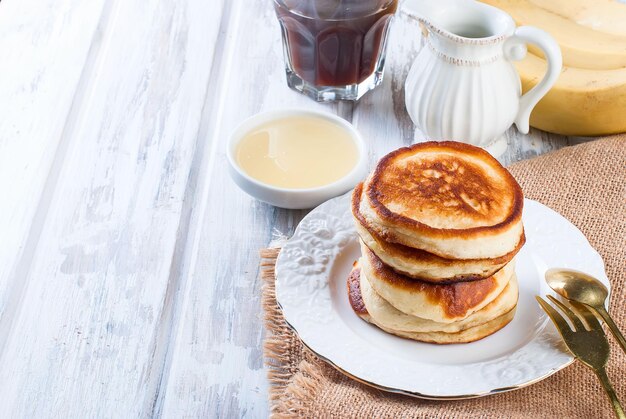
(291, 389)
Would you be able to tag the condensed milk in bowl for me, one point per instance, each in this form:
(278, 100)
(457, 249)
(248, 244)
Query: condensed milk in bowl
(296, 159)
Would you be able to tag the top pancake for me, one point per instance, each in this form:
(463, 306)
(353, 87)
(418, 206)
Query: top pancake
(451, 199)
(420, 264)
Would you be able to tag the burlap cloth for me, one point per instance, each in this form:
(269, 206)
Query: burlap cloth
(586, 184)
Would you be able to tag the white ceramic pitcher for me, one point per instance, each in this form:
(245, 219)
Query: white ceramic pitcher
(463, 85)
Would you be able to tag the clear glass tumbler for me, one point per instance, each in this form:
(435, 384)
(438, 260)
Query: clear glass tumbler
(334, 49)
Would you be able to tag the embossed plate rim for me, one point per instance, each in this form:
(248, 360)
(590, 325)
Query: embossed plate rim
(303, 270)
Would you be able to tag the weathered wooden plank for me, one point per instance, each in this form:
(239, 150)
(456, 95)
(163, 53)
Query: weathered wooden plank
(44, 47)
(536, 142)
(89, 336)
(216, 357)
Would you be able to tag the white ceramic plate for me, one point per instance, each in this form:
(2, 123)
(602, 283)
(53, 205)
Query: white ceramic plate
(311, 272)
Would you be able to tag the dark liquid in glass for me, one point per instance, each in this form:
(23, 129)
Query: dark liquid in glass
(334, 42)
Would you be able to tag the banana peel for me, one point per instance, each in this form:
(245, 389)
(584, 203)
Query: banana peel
(583, 102)
(589, 98)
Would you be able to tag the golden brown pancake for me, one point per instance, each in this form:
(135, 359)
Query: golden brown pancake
(464, 336)
(420, 264)
(443, 303)
(467, 335)
(450, 199)
(390, 317)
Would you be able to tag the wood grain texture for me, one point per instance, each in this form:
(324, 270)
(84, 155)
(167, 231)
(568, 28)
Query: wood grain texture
(129, 275)
(88, 337)
(38, 86)
(216, 357)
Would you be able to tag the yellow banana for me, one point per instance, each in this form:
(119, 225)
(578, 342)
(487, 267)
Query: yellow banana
(581, 46)
(607, 16)
(582, 102)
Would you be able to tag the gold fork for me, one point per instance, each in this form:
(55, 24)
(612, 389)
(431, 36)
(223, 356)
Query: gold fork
(587, 344)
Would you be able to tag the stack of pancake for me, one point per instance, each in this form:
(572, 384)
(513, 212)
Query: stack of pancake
(439, 224)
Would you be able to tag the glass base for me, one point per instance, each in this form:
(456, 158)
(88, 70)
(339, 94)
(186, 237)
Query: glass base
(333, 93)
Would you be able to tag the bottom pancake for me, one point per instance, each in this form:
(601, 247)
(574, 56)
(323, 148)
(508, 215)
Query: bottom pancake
(387, 316)
(466, 336)
(429, 332)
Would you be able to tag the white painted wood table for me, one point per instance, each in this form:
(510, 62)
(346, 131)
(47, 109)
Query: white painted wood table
(128, 259)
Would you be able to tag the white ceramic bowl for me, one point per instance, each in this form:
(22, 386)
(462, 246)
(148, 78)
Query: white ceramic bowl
(294, 198)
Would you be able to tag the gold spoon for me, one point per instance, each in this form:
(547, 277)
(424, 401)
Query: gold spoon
(578, 286)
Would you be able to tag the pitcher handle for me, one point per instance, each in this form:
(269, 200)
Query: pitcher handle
(515, 49)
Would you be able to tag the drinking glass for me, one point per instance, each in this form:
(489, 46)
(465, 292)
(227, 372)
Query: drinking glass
(334, 49)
